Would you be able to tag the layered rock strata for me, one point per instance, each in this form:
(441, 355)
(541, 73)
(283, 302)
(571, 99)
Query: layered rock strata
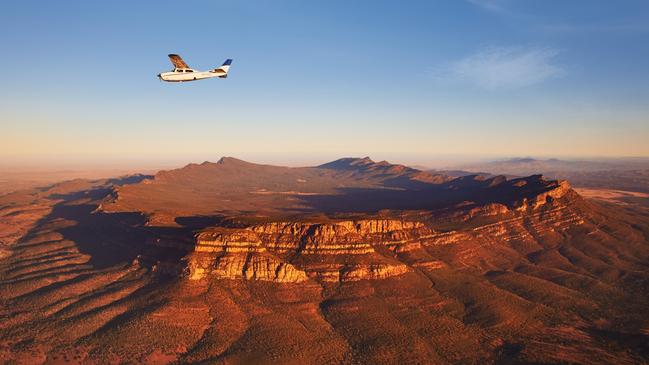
(348, 248)
(367, 249)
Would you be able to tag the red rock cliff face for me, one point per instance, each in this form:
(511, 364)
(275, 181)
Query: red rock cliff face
(371, 249)
(557, 190)
(226, 252)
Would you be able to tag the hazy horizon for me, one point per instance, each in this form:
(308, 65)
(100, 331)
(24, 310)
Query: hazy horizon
(148, 163)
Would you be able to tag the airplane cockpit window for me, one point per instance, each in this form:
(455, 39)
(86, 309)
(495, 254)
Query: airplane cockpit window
(189, 70)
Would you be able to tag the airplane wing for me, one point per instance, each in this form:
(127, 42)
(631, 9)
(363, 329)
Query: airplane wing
(177, 61)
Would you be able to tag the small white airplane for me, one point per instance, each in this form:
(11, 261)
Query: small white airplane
(182, 72)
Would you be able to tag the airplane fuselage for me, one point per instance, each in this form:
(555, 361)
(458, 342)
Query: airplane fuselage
(182, 72)
(188, 74)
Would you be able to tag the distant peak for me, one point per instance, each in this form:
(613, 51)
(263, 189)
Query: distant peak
(227, 160)
(348, 163)
(224, 161)
(362, 161)
(384, 168)
(522, 160)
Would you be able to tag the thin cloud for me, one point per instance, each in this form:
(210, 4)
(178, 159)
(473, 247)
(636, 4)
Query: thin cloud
(496, 6)
(506, 67)
(487, 4)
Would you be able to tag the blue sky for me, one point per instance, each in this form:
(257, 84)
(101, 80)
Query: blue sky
(411, 81)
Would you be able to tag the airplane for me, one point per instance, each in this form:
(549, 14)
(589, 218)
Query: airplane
(182, 72)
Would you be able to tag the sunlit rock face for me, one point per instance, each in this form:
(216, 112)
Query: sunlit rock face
(370, 249)
(248, 266)
(258, 252)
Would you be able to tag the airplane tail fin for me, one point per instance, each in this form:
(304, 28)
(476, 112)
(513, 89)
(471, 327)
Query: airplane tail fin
(223, 70)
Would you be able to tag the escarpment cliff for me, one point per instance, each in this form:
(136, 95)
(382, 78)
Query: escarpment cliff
(240, 265)
(373, 249)
(328, 251)
(554, 190)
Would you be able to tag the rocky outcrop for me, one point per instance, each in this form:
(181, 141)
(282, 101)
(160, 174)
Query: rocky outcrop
(554, 190)
(353, 237)
(352, 250)
(332, 273)
(378, 271)
(255, 252)
(248, 266)
(228, 240)
(367, 249)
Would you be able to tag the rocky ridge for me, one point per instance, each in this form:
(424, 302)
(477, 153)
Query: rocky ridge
(367, 249)
(337, 249)
(257, 251)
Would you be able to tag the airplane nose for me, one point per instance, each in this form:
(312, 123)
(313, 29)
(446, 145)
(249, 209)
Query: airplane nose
(159, 76)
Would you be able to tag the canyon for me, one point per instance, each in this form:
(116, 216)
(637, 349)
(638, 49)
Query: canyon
(353, 261)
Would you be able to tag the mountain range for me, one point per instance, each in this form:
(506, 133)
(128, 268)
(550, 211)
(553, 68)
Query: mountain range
(352, 261)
